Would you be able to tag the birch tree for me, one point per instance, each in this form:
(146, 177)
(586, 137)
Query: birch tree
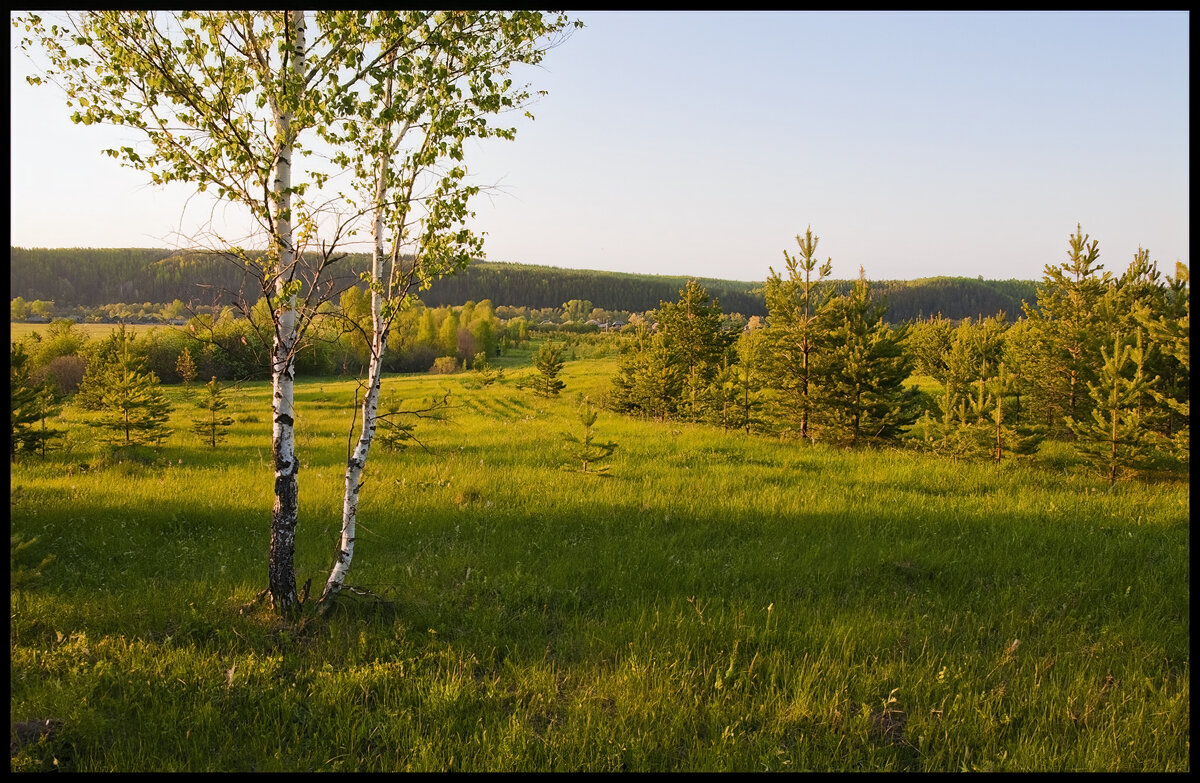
(229, 102)
(444, 76)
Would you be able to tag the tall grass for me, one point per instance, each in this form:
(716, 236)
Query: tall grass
(718, 602)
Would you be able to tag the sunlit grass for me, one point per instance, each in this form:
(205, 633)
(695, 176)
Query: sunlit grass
(718, 602)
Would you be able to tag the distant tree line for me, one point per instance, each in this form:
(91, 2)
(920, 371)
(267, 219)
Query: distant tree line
(71, 279)
(229, 347)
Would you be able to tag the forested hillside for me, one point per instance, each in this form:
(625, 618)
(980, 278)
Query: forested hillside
(96, 276)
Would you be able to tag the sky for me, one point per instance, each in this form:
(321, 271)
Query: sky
(914, 144)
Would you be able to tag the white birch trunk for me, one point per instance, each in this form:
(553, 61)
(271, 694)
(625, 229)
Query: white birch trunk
(281, 559)
(370, 404)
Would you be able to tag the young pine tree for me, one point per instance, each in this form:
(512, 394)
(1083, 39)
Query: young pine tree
(585, 448)
(796, 330)
(32, 405)
(650, 380)
(1169, 336)
(1116, 435)
(1006, 435)
(691, 330)
(549, 363)
(750, 379)
(1069, 326)
(132, 407)
(862, 396)
(185, 367)
(486, 373)
(722, 396)
(213, 426)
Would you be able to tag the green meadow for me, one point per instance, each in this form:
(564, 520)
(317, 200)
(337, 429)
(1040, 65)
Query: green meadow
(716, 602)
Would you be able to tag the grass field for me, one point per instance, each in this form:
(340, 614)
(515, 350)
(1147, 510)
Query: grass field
(718, 602)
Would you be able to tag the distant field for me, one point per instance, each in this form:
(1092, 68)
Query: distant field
(19, 331)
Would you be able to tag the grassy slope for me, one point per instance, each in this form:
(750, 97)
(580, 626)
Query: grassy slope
(720, 602)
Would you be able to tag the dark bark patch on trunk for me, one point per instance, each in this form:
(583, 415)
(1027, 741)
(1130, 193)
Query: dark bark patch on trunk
(281, 572)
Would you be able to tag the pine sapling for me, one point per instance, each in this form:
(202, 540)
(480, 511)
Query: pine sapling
(1117, 434)
(585, 448)
(185, 367)
(486, 373)
(212, 426)
(549, 363)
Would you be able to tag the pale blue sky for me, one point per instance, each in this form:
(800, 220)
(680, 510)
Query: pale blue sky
(701, 143)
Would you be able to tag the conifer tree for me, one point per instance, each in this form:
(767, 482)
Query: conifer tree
(1007, 435)
(548, 363)
(927, 342)
(486, 373)
(46, 405)
(691, 330)
(967, 367)
(132, 407)
(862, 396)
(32, 405)
(796, 329)
(394, 434)
(22, 398)
(723, 395)
(650, 380)
(1168, 333)
(585, 448)
(213, 426)
(185, 366)
(1116, 435)
(1018, 355)
(750, 378)
(1069, 326)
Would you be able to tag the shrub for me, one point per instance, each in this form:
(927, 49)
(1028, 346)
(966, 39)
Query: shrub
(444, 365)
(65, 372)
